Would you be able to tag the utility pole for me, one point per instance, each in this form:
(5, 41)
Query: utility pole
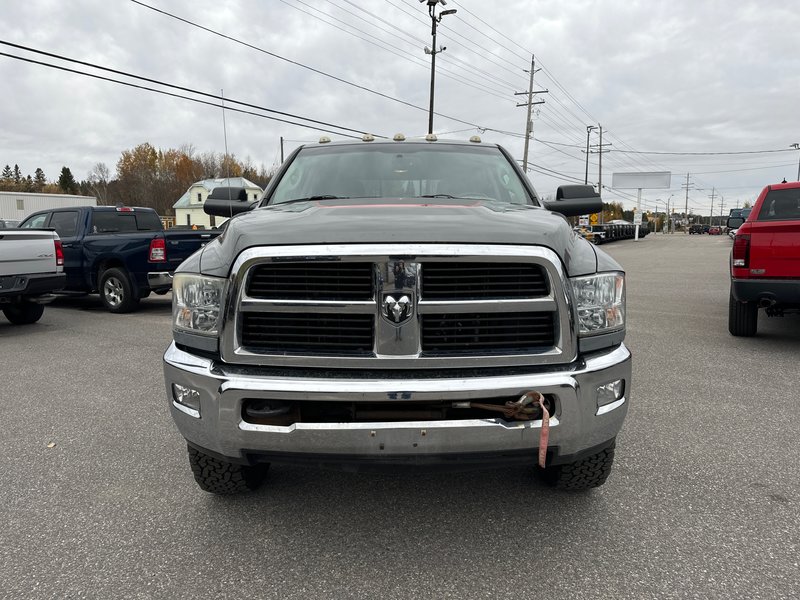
(281, 149)
(435, 20)
(600, 151)
(721, 209)
(712, 196)
(529, 104)
(586, 178)
(686, 208)
(796, 146)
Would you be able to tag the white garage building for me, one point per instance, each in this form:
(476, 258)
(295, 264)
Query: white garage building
(18, 205)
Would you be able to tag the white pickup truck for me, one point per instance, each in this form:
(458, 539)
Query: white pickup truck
(31, 267)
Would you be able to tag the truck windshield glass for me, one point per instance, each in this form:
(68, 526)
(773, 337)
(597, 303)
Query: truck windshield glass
(401, 171)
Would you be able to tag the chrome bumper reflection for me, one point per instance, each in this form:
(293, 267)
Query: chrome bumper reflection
(159, 279)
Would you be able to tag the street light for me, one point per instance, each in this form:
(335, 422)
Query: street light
(588, 131)
(435, 20)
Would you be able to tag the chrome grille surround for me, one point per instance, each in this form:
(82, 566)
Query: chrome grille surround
(397, 345)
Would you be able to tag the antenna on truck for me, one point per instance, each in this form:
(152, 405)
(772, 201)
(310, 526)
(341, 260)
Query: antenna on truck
(227, 160)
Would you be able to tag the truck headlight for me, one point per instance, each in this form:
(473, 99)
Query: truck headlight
(197, 303)
(600, 302)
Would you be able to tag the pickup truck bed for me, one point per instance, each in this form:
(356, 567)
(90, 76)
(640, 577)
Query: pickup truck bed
(31, 267)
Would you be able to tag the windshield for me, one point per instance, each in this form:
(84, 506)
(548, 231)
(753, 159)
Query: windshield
(401, 170)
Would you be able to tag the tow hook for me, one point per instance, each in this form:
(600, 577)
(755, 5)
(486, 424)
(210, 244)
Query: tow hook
(521, 410)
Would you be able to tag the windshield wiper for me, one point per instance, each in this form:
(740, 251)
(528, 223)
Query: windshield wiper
(438, 196)
(320, 197)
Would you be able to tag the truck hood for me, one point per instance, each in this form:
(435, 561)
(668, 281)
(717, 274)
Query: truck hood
(456, 221)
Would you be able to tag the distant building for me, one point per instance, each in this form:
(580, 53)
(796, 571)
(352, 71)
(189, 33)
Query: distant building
(189, 208)
(18, 205)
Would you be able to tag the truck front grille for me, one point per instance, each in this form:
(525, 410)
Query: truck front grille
(311, 281)
(308, 333)
(398, 307)
(485, 281)
(506, 332)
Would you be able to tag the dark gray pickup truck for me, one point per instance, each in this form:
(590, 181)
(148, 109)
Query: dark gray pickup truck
(399, 303)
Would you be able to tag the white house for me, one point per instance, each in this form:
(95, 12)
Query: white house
(18, 205)
(189, 208)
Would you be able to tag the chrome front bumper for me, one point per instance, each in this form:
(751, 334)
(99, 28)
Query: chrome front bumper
(218, 427)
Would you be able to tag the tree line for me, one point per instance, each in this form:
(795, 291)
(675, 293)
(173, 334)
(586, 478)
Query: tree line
(144, 176)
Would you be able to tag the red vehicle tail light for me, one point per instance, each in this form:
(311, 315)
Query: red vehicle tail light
(59, 253)
(158, 250)
(741, 250)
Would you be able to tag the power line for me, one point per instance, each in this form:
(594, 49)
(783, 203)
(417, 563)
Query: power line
(464, 39)
(165, 93)
(702, 153)
(297, 63)
(169, 85)
(416, 40)
(375, 41)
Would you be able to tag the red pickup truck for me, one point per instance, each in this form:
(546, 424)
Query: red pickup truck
(765, 261)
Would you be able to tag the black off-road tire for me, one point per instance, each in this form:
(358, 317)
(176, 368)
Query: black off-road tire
(24, 313)
(584, 474)
(222, 477)
(742, 317)
(116, 291)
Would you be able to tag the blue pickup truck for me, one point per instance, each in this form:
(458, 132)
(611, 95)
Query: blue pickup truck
(121, 252)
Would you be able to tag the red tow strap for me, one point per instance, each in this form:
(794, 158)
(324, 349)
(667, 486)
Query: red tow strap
(544, 432)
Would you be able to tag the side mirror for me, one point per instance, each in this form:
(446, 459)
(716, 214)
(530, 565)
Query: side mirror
(575, 200)
(227, 202)
(735, 222)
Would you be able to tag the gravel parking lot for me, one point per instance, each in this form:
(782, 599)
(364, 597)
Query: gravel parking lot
(703, 502)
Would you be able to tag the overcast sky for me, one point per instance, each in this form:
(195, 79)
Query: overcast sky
(684, 76)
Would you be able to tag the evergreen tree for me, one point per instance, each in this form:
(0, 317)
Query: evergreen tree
(8, 174)
(66, 181)
(17, 174)
(39, 180)
(27, 183)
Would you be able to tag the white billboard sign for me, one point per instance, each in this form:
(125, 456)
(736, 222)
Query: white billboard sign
(641, 181)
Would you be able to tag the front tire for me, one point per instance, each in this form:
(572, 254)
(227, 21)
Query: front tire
(24, 313)
(584, 474)
(116, 291)
(742, 317)
(218, 476)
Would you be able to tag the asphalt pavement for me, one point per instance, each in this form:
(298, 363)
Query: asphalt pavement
(97, 499)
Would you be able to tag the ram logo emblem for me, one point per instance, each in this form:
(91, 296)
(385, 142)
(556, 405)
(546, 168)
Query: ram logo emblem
(397, 310)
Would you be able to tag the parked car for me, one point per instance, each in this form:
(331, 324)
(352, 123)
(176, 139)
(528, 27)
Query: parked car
(123, 253)
(8, 223)
(765, 260)
(454, 318)
(31, 268)
(714, 230)
(696, 228)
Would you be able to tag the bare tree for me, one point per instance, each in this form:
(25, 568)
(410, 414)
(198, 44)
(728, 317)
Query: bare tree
(98, 181)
